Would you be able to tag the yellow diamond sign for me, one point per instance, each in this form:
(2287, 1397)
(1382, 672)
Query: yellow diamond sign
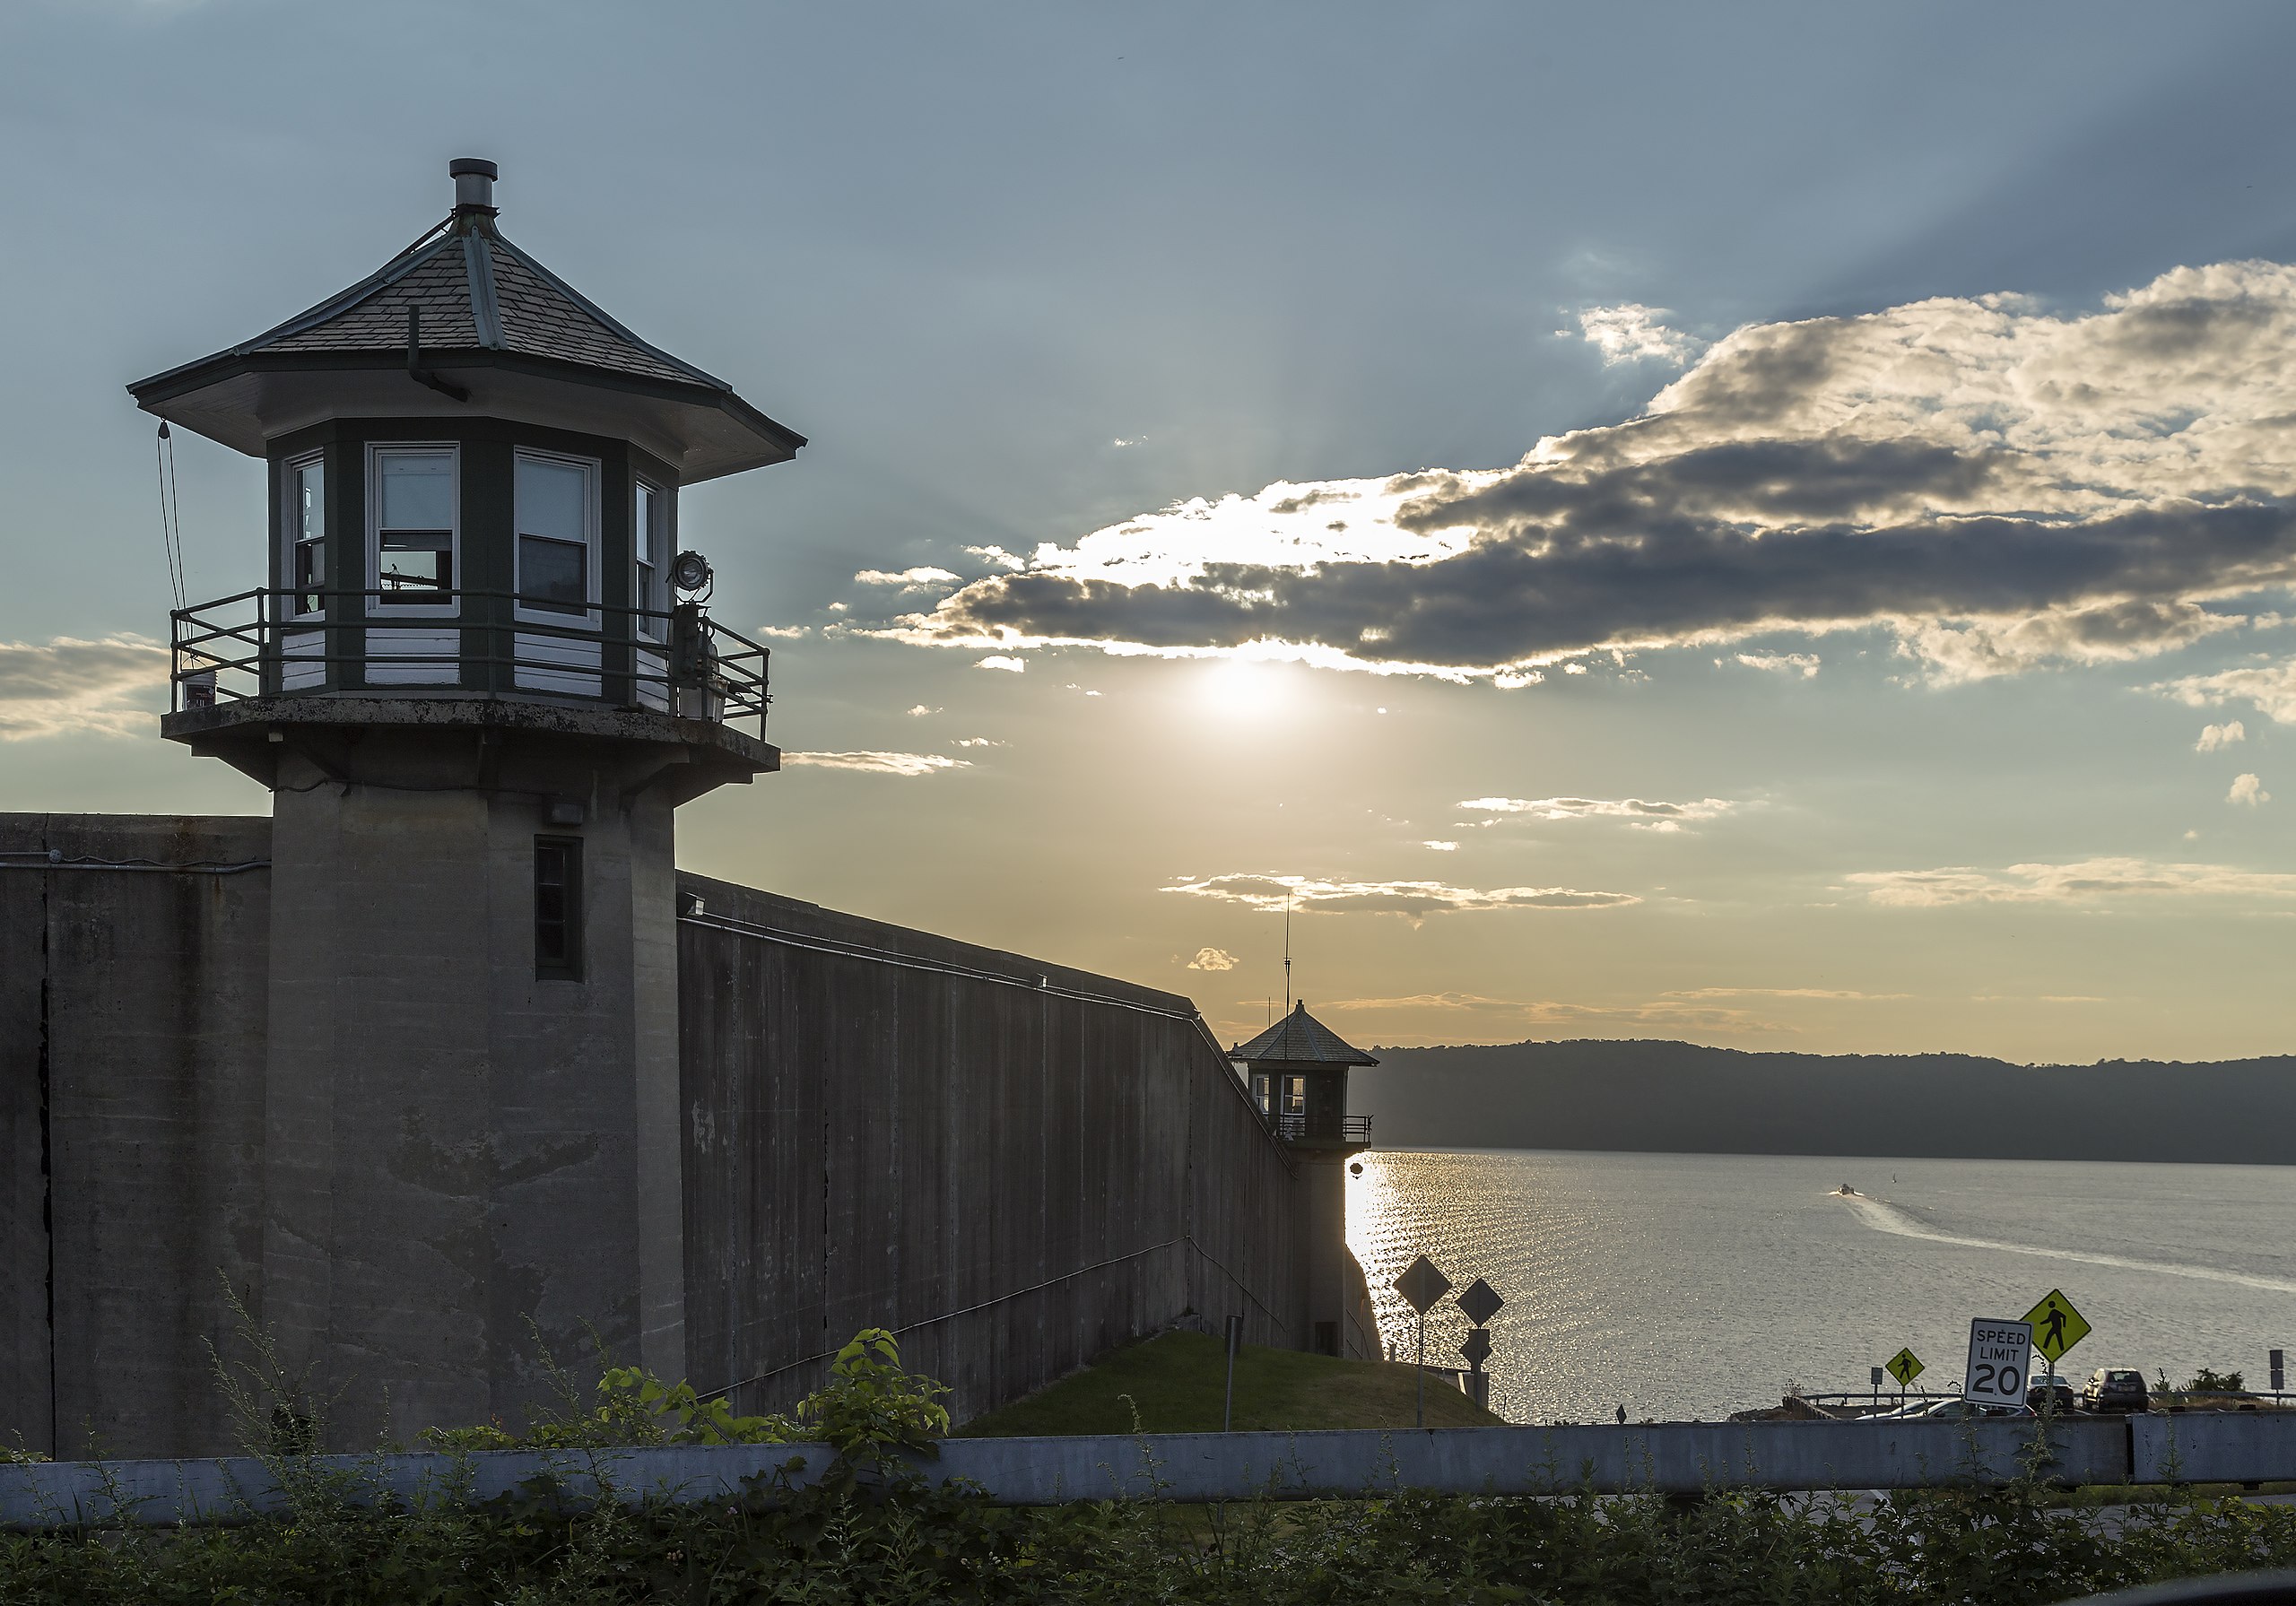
(1904, 1366)
(2056, 1325)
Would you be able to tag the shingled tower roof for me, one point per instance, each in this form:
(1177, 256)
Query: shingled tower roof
(464, 298)
(1300, 1039)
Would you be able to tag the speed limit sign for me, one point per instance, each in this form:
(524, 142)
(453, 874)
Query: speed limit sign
(1999, 1356)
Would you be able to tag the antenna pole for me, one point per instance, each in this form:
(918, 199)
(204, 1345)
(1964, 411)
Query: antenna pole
(1287, 950)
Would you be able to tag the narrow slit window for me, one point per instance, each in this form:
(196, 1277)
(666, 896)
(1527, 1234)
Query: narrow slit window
(1260, 1093)
(557, 908)
(414, 534)
(307, 530)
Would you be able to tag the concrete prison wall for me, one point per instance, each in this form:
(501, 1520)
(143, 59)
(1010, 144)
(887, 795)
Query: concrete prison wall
(1012, 1165)
(132, 1017)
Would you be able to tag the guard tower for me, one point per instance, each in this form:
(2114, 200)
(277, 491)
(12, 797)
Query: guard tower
(479, 680)
(1297, 1072)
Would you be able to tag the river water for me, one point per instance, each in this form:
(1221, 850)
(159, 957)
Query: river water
(1690, 1286)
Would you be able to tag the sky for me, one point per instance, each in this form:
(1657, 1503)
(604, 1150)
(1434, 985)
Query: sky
(1765, 524)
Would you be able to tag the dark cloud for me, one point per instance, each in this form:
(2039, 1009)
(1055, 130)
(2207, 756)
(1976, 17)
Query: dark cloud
(1570, 589)
(1997, 486)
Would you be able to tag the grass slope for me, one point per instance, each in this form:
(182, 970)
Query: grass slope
(1177, 1379)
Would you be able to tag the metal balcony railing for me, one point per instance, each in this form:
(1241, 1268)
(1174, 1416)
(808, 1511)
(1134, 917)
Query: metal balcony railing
(374, 643)
(1325, 1128)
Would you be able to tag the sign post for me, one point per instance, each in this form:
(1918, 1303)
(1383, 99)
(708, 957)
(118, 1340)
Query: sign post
(1904, 1366)
(1420, 1285)
(1999, 1355)
(1235, 1342)
(2057, 1328)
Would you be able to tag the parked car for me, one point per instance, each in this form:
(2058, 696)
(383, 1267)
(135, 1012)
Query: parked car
(2116, 1388)
(2054, 1392)
(1962, 1411)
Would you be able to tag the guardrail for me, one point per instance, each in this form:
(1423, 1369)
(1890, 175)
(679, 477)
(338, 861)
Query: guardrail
(263, 643)
(1325, 1128)
(1681, 1458)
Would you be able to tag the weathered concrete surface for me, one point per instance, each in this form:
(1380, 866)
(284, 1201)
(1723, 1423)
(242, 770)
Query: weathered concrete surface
(1012, 1165)
(132, 1006)
(337, 1082)
(462, 1154)
(2226, 1447)
(1672, 1458)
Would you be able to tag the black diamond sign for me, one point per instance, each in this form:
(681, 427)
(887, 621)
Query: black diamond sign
(1481, 1302)
(1420, 1285)
(1477, 1349)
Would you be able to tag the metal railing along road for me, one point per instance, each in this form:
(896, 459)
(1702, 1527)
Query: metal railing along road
(264, 643)
(1323, 1129)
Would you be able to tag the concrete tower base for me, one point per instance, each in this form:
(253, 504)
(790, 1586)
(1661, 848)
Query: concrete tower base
(469, 1158)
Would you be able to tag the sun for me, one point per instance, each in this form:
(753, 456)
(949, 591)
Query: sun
(1237, 690)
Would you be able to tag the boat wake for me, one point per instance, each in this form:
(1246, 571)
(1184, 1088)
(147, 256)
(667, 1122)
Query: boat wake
(1884, 1217)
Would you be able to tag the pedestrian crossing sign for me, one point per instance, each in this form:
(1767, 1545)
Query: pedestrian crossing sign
(2056, 1325)
(1904, 1366)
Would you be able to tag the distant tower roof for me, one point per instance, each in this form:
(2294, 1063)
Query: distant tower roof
(520, 338)
(1301, 1039)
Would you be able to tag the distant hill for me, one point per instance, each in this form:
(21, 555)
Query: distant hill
(1678, 1097)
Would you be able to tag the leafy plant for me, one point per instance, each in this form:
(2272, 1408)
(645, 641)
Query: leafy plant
(2208, 1381)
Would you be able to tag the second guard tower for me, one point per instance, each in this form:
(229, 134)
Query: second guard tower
(1297, 1072)
(478, 678)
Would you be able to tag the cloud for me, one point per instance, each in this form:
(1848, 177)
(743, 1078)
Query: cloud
(1415, 901)
(1832, 993)
(921, 711)
(1668, 1013)
(1996, 487)
(999, 556)
(1805, 664)
(1000, 660)
(2084, 881)
(2248, 790)
(2215, 736)
(113, 687)
(1643, 815)
(1633, 333)
(1212, 959)
(922, 579)
(878, 763)
(978, 741)
(784, 632)
(2271, 687)
(1441, 847)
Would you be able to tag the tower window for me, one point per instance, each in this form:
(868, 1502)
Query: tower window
(647, 540)
(557, 908)
(556, 524)
(306, 514)
(415, 526)
(1295, 1095)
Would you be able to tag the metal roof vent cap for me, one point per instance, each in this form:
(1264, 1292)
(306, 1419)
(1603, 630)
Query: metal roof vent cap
(473, 178)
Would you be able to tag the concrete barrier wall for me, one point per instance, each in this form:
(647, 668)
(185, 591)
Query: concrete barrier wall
(1674, 1458)
(1012, 1165)
(132, 1003)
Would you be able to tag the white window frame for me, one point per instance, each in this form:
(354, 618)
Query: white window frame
(594, 475)
(377, 450)
(655, 594)
(290, 535)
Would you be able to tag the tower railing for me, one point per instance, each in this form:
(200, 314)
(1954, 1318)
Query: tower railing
(1322, 1129)
(371, 642)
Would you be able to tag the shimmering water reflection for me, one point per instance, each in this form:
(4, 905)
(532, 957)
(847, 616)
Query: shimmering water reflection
(1690, 1286)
